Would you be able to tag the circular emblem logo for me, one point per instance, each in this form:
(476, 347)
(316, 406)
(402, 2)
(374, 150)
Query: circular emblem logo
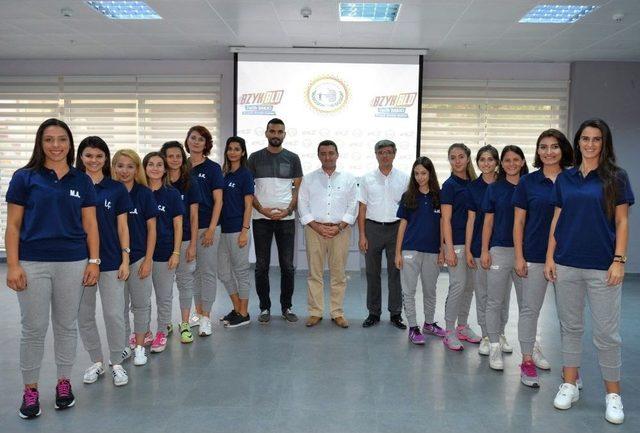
(327, 94)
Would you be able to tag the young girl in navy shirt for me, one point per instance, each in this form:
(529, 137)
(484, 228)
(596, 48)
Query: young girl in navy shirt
(113, 206)
(454, 204)
(210, 181)
(51, 231)
(532, 220)
(497, 255)
(418, 253)
(127, 168)
(233, 253)
(166, 255)
(586, 257)
(181, 179)
(487, 160)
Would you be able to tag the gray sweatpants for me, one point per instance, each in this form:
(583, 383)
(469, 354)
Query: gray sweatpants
(460, 284)
(572, 285)
(137, 293)
(534, 288)
(185, 277)
(55, 286)
(112, 300)
(206, 283)
(425, 267)
(162, 278)
(499, 278)
(233, 265)
(480, 284)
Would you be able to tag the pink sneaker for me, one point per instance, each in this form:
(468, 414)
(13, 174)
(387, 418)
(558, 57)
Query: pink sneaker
(433, 329)
(132, 341)
(529, 374)
(465, 333)
(451, 342)
(148, 338)
(159, 343)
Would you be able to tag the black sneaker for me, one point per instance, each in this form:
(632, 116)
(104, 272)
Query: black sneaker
(229, 315)
(265, 316)
(289, 316)
(64, 395)
(238, 320)
(30, 404)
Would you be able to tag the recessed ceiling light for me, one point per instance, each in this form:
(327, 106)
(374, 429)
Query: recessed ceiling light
(125, 10)
(556, 14)
(369, 12)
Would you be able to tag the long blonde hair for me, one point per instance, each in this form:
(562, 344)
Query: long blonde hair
(140, 176)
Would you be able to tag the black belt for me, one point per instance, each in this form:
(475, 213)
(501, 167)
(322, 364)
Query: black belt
(383, 224)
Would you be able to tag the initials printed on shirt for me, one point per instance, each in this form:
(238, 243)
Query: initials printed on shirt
(202, 175)
(107, 204)
(162, 208)
(231, 185)
(134, 211)
(74, 193)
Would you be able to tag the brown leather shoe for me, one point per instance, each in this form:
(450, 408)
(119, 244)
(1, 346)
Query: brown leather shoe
(340, 321)
(313, 321)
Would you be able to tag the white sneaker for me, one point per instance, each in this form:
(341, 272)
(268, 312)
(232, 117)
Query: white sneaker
(538, 358)
(139, 357)
(194, 319)
(484, 347)
(614, 413)
(126, 354)
(495, 357)
(205, 326)
(504, 344)
(92, 373)
(566, 396)
(120, 376)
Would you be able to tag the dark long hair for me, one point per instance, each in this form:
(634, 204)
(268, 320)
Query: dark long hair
(565, 148)
(204, 132)
(515, 149)
(94, 142)
(145, 161)
(607, 168)
(185, 168)
(471, 172)
(38, 158)
(226, 167)
(409, 198)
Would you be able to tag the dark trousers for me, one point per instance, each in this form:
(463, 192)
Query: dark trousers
(285, 233)
(382, 237)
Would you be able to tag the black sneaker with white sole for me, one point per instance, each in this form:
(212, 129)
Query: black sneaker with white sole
(64, 395)
(30, 404)
(238, 320)
(228, 316)
(289, 315)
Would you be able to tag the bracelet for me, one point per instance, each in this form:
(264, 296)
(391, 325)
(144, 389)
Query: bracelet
(246, 227)
(177, 253)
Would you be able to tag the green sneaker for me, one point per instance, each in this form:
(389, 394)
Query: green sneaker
(169, 329)
(185, 333)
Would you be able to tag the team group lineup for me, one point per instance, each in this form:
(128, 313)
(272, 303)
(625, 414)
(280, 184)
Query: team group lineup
(126, 227)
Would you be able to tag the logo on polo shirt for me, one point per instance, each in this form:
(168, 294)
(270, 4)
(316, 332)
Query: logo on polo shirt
(232, 184)
(107, 204)
(134, 211)
(182, 196)
(162, 208)
(202, 175)
(74, 193)
(436, 211)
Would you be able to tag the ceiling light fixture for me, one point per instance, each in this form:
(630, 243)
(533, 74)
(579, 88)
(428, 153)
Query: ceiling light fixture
(556, 14)
(124, 10)
(369, 12)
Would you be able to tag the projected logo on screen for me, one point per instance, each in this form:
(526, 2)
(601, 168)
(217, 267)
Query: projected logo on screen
(327, 94)
(393, 105)
(260, 103)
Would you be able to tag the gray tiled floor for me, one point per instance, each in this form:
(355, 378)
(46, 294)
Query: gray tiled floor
(285, 378)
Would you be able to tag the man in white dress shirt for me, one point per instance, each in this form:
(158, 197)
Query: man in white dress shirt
(379, 195)
(327, 205)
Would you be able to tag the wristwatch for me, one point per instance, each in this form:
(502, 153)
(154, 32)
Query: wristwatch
(95, 261)
(620, 259)
(126, 250)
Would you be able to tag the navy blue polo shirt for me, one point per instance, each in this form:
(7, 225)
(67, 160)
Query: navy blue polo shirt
(423, 225)
(498, 200)
(455, 193)
(477, 189)
(209, 175)
(189, 197)
(533, 194)
(237, 185)
(52, 228)
(144, 208)
(585, 237)
(113, 200)
(170, 205)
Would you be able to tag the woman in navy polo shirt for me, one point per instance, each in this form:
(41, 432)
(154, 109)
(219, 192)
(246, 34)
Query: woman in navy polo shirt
(210, 181)
(454, 203)
(497, 255)
(51, 229)
(418, 252)
(487, 160)
(113, 207)
(233, 253)
(532, 220)
(166, 255)
(128, 169)
(586, 257)
(181, 179)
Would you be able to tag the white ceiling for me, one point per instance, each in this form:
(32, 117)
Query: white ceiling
(462, 30)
